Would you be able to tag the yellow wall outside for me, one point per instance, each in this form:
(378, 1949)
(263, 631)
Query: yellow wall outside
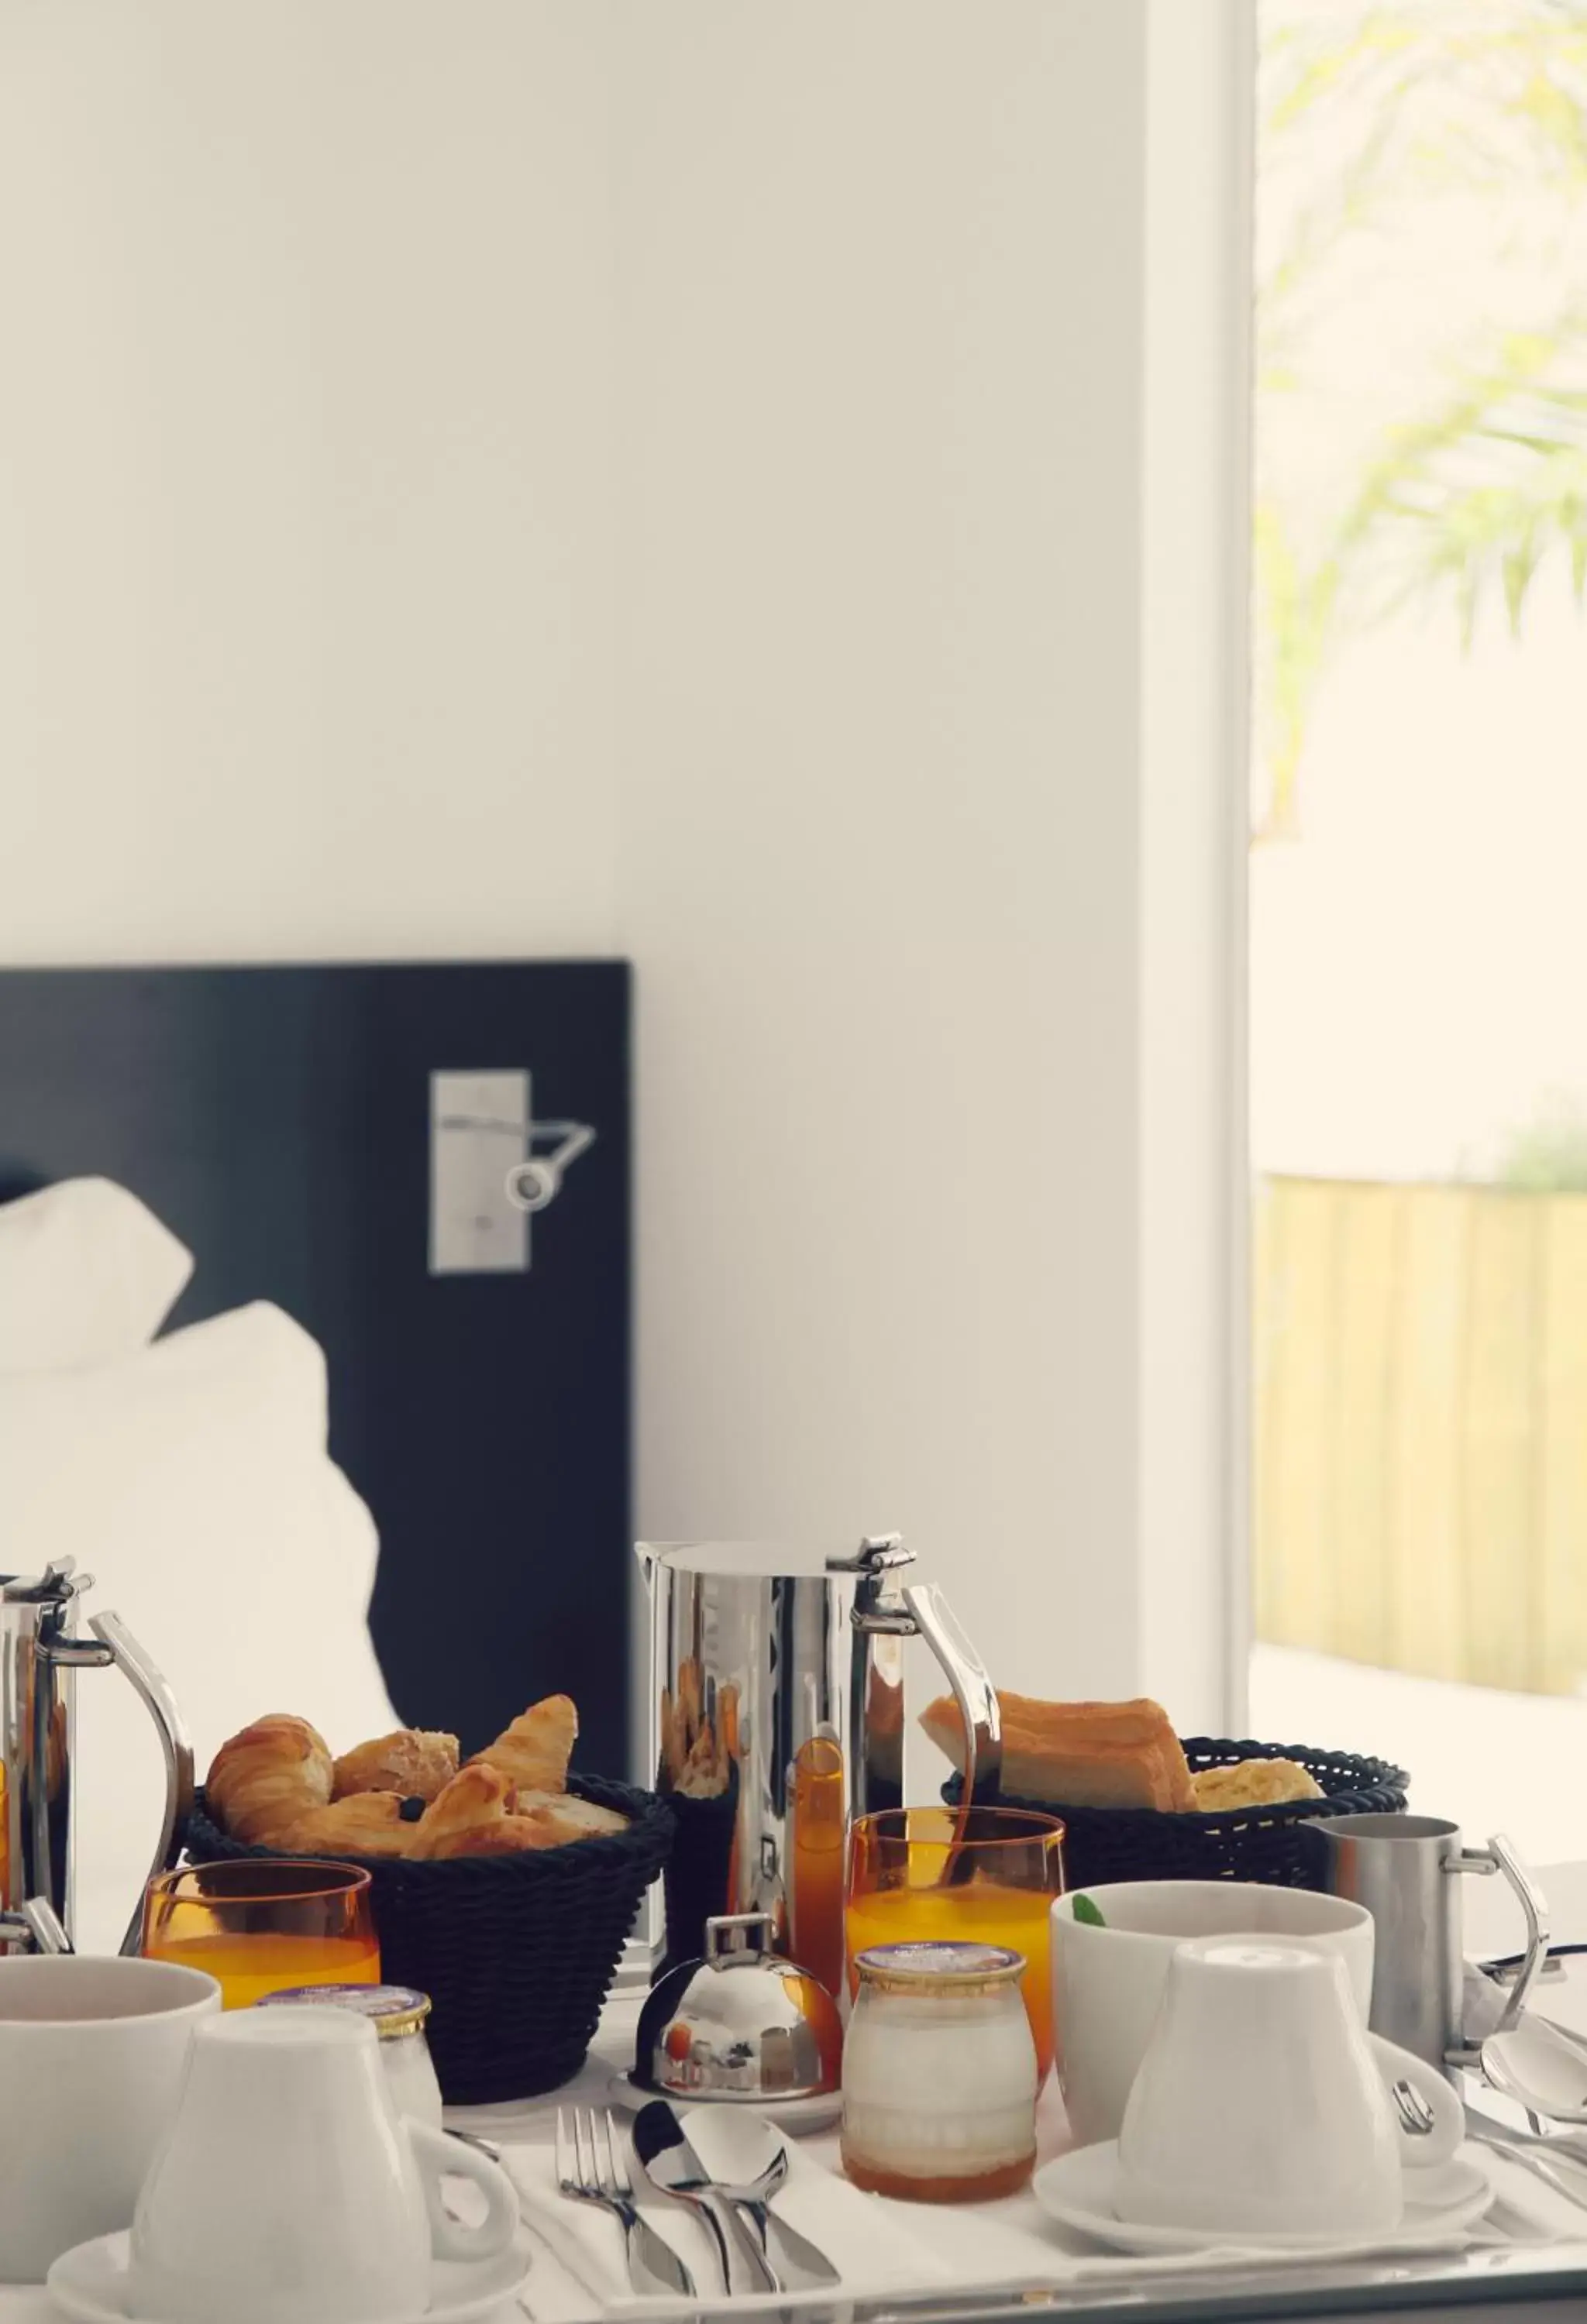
(1420, 1439)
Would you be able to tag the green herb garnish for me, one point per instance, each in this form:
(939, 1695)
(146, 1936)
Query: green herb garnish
(1084, 1910)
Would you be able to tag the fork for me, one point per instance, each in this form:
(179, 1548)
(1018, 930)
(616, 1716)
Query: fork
(591, 2167)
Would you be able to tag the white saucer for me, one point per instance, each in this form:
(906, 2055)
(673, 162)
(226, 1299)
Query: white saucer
(88, 2283)
(797, 2116)
(1078, 2190)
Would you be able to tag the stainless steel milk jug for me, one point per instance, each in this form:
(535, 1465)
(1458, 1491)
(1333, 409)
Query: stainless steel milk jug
(778, 1712)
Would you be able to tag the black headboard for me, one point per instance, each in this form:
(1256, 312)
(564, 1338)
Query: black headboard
(286, 1124)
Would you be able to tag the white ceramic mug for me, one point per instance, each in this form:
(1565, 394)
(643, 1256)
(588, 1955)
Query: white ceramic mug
(1107, 1982)
(92, 2055)
(289, 2192)
(1262, 2104)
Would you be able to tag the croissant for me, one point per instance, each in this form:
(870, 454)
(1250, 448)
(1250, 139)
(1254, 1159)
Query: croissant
(413, 1762)
(534, 1751)
(272, 1774)
(369, 1823)
(476, 1797)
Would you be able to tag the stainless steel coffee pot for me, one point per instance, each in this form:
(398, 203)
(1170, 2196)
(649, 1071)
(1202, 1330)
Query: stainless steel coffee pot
(40, 1651)
(778, 1707)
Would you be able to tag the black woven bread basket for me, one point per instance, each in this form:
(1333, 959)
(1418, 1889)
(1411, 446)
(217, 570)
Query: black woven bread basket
(1268, 1844)
(517, 1952)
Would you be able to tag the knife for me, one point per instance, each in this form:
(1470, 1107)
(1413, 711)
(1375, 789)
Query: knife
(670, 2163)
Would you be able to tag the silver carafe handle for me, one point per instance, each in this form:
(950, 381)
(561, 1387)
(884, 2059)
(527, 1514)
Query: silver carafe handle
(972, 1685)
(116, 1644)
(37, 1925)
(922, 1612)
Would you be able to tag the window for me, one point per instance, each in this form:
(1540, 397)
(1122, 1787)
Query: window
(1418, 940)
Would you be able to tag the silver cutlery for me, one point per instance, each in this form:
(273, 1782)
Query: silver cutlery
(1415, 2112)
(1533, 2153)
(592, 2168)
(1561, 2095)
(1566, 2145)
(749, 2162)
(671, 2165)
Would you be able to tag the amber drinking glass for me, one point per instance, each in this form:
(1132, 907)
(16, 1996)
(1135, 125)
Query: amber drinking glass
(258, 1924)
(910, 1882)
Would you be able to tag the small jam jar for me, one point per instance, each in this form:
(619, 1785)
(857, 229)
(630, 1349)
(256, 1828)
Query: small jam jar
(940, 2077)
(398, 2012)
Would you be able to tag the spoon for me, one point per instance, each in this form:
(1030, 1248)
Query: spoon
(749, 2162)
(1536, 2066)
(670, 2163)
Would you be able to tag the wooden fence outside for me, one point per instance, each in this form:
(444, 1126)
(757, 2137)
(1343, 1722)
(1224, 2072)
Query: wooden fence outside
(1420, 1428)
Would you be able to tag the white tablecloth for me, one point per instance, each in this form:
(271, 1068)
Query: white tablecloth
(1493, 1925)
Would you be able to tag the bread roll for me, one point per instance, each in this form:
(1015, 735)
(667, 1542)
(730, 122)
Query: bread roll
(414, 1763)
(1254, 1784)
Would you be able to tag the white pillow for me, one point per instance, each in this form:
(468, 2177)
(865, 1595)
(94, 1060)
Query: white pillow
(88, 1275)
(192, 1480)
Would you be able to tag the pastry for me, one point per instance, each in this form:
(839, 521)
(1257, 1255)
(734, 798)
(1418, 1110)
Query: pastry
(1254, 1784)
(411, 1762)
(571, 1818)
(475, 1796)
(275, 1785)
(534, 1751)
(270, 1775)
(1079, 1755)
(509, 1837)
(367, 1824)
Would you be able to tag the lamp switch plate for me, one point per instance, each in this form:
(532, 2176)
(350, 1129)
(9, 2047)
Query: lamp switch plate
(479, 1127)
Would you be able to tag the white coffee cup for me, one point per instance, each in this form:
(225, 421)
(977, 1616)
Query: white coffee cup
(1107, 1982)
(289, 2192)
(1262, 2104)
(92, 2055)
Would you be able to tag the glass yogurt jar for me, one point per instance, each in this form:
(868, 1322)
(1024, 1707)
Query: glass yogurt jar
(940, 2077)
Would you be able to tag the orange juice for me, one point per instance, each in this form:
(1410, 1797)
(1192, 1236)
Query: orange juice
(246, 1968)
(977, 1912)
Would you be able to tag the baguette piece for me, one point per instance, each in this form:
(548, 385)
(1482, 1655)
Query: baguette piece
(1079, 1755)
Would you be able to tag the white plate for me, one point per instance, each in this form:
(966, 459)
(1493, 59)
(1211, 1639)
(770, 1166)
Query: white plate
(1078, 2190)
(88, 2283)
(797, 2116)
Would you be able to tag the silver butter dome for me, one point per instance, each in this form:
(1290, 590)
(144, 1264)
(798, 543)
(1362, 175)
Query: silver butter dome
(741, 2024)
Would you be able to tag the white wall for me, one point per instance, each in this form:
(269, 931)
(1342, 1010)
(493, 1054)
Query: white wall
(539, 477)
(306, 514)
(879, 809)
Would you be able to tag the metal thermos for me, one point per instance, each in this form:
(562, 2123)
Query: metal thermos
(779, 1673)
(1407, 1870)
(40, 1651)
